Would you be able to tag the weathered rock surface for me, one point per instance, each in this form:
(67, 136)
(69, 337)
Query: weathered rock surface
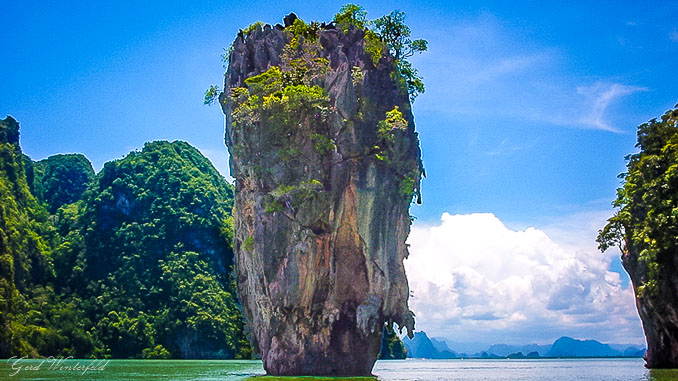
(324, 180)
(659, 313)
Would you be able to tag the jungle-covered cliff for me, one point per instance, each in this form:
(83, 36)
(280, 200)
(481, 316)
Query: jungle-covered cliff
(326, 160)
(645, 228)
(134, 262)
(25, 249)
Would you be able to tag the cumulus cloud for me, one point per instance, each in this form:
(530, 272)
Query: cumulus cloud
(474, 279)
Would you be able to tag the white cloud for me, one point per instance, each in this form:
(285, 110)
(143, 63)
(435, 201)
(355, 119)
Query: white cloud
(600, 97)
(474, 279)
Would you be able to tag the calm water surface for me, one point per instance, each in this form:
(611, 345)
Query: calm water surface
(395, 370)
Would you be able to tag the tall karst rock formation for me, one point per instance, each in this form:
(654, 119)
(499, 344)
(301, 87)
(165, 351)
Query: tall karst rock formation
(645, 228)
(326, 161)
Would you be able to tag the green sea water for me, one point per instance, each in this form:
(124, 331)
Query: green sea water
(394, 370)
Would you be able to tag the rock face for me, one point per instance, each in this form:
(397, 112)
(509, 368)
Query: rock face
(659, 313)
(326, 161)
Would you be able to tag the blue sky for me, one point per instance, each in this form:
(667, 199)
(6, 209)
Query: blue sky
(529, 110)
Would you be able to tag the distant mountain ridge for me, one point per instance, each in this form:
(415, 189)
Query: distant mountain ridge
(421, 346)
(569, 347)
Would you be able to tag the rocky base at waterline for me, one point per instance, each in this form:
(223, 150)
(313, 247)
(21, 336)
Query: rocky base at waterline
(326, 161)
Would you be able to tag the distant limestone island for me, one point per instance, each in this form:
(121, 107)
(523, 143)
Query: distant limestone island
(421, 346)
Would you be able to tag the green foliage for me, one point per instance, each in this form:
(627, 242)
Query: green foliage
(25, 246)
(238, 92)
(390, 150)
(157, 253)
(646, 221)
(394, 121)
(374, 46)
(288, 154)
(392, 348)
(279, 96)
(273, 206)
(51, 324)
(387, 32)
(212, 95)
(157, 352)
(351, 14)
(248, 244)
(267, 79)
(252, 27)
(410, 80)
(408, 185)
(201, 309)
(393, 31)
(138, 267)
(61, 179)
(357, 75)
(293, 196)
(322, 144)
(299, 29)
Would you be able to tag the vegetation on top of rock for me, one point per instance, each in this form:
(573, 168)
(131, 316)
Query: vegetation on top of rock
(646, 220)
(351, 14)
(395, 33)
(388, 31)
(252, 27)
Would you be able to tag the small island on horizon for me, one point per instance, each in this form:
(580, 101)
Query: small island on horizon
(421, 346)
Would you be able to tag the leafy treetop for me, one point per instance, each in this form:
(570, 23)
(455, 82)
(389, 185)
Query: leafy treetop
(351, 14)
(396, 34)
(392, 31)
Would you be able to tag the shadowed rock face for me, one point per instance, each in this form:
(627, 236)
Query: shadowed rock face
(659, 313)
(324, 180)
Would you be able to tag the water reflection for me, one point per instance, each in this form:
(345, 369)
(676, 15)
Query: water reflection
(662, 375)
